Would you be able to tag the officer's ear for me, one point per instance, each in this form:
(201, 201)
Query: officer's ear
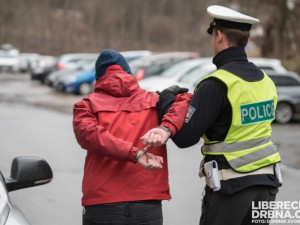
(218, 32)
(220, 36)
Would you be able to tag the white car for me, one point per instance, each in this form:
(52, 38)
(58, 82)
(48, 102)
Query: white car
(25, 172)
(9, 60)
(69, 61)
(190, 73)
(28, 61)
(176, 75)
(267, 64)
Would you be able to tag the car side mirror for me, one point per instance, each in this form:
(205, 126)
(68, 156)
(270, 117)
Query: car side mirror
(28, 171)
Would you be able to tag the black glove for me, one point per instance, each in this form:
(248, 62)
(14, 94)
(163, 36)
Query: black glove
(167, 98)
(174, 89)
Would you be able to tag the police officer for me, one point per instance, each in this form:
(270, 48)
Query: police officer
(232, 110)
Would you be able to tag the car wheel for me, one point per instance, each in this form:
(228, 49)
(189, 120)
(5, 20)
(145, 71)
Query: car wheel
(84, 88)
(284, 112)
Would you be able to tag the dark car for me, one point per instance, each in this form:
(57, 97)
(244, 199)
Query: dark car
(288, 89)
(158, 63)
(82, 65)
(65, 61)
(26, 171)
(40, 67)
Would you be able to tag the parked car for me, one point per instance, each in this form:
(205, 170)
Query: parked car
(28, 61)
(65, 61)
(42, 68)
(9, 58)
(158, 63)
(268, 64)
(25, 172)
(69, 61)
(288, 89)
(80, 82)
(177, 75)
(82, 65)
(132, 55)
(188, 73)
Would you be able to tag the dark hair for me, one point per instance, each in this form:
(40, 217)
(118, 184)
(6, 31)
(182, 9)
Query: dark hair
(235, 38)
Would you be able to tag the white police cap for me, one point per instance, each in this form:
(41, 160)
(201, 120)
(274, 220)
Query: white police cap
(229, 18)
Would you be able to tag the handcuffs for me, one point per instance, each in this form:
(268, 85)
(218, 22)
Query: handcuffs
(140, 153)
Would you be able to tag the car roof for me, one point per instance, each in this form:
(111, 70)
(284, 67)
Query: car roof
(66, 57)
(181, 68)
(268, 64)
(288, 73)
(186, 65)
(156, 57)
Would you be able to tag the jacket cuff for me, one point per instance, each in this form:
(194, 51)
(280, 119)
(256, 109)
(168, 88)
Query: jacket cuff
(170, 126)
(132, 154)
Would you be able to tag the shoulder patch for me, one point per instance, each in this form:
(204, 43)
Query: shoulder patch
(189, 114)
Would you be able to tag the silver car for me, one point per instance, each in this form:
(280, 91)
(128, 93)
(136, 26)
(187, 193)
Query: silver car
(288, 89)
(25, 172)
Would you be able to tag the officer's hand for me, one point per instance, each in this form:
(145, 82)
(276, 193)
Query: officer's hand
(175, 90)
(151, 162)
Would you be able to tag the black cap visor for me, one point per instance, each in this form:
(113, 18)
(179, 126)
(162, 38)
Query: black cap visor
(229, 25)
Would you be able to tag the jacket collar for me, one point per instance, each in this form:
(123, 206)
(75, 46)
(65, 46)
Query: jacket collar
(117, 82)
(230, 54)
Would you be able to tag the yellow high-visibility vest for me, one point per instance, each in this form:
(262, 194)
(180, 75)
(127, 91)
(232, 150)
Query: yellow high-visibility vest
(247, 146)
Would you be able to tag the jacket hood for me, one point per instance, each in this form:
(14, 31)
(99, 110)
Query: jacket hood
(117, 82)
(117, 91)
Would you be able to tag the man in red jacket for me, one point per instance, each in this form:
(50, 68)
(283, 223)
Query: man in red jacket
(108, 124)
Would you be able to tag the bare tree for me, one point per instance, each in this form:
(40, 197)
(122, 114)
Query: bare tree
(59, 26)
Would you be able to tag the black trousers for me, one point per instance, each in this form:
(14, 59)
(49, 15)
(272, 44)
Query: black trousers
(235, 209)
(121, 213)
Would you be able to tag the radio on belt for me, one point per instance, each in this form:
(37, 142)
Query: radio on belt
(212, 175)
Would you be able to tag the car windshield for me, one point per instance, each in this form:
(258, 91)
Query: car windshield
(135, 66)
(83, 63)
(174, 70)
(7, 56)
(195, 75)
(88, 66)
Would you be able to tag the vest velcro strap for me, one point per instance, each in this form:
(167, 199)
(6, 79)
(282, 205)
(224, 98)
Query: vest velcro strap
(235, 146)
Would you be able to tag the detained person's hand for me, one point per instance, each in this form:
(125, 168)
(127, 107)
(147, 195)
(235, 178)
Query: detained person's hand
(155, 137)
(150, 161)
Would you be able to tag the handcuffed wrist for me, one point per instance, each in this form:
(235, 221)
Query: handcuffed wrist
(168, 130)
(139, 153)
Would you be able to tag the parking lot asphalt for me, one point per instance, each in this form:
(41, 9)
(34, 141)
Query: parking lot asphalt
(18, 88)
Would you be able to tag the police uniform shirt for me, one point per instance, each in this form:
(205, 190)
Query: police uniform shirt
(212, 115)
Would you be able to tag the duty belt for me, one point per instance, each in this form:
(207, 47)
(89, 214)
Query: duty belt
(227, 174)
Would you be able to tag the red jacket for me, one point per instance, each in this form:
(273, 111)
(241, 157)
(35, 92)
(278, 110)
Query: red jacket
(109, 124)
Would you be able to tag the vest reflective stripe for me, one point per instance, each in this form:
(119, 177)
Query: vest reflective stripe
(253, 156)
(247, 146)
(235, 146)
